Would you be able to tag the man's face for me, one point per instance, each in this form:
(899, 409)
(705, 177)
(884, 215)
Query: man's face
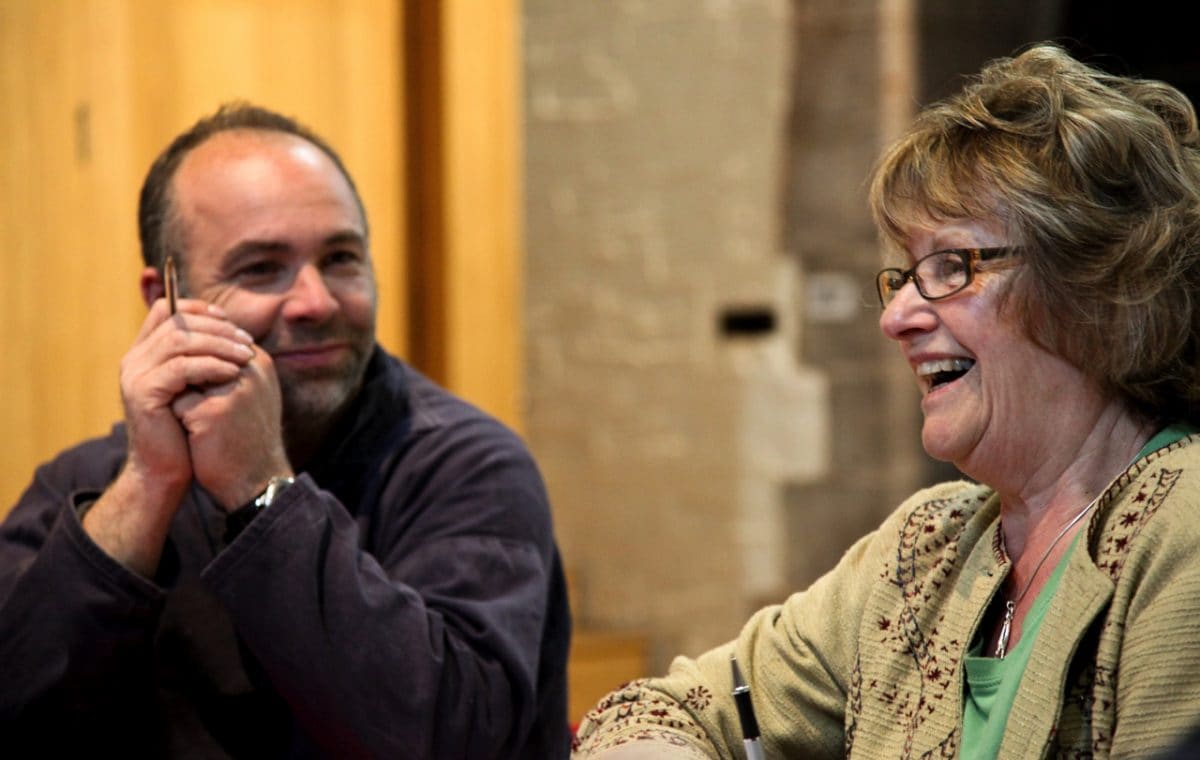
(272, 234)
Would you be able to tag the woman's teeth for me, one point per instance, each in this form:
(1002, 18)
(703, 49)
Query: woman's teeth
(943, 371)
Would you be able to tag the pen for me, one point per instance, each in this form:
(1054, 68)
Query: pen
(172, 282)
(745, 708)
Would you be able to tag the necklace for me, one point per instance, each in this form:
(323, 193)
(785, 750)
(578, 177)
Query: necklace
(1010, 606)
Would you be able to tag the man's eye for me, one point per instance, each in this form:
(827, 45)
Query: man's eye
(258, 269)
(343, 258)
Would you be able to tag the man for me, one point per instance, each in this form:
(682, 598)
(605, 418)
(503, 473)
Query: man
(294, 545)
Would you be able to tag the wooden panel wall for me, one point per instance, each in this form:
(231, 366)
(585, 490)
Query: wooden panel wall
(465, 159)
(91, 91)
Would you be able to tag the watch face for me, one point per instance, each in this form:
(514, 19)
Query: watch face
(238, 519)
(274, 487)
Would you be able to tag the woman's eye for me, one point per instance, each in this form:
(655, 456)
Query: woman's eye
(950, 266)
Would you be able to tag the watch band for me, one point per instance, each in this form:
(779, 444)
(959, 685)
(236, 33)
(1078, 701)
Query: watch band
(237, 520)
(274, 487)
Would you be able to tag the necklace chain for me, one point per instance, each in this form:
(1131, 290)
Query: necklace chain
(1010, 606)
(1050, 548)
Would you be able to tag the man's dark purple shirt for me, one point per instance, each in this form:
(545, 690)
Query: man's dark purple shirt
(403, 599)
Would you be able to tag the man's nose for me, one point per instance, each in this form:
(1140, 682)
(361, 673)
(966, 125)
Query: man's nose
(309, 298)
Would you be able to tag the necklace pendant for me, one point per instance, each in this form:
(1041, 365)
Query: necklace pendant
(1010, 609)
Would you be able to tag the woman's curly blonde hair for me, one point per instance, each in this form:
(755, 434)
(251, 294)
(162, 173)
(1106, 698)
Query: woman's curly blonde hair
(1097, 178)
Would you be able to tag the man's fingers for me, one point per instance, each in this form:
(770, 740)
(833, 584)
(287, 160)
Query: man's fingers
(202, 372)
(160, 384)
(186, 402)
(193, 336)
(201, 318)
(227, 346)
(195, 306)
(160, 312)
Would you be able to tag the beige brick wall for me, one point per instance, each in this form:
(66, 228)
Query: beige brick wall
(684, 157)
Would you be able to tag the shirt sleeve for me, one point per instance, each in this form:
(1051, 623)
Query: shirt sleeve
(426, 638)
(76, 627)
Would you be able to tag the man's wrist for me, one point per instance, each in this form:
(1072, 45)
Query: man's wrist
(238, 519)
(275, 486)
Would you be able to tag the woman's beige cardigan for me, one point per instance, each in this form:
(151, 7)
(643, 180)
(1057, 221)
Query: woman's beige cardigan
(867, 662)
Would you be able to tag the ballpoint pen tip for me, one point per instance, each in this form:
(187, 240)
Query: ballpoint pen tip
(737, 673)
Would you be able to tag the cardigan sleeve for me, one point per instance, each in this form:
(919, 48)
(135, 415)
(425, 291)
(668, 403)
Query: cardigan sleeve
(798, 659)
(801, 659)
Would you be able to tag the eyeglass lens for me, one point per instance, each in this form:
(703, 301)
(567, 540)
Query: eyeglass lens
(936, 276)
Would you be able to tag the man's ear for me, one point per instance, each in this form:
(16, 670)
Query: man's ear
(151, 285)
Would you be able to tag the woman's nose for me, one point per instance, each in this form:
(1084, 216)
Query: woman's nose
(907, 311)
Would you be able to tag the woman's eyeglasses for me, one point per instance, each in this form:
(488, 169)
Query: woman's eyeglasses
(938, 275)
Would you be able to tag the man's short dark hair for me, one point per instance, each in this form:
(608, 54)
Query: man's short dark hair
(156, 230)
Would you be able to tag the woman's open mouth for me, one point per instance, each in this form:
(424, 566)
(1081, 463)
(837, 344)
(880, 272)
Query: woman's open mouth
(934, 374)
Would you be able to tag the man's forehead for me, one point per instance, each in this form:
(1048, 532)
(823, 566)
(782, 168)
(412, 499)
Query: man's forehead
(264, 186)
(250, 145)
(252, 166)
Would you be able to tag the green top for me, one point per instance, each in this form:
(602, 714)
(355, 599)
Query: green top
(991, 684)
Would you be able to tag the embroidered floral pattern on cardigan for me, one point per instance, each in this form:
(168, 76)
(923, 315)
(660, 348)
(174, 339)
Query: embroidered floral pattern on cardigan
(1085, 726)
(637, 714)
(926, 556)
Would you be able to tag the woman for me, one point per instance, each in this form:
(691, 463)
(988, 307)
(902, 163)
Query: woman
(1049, 220)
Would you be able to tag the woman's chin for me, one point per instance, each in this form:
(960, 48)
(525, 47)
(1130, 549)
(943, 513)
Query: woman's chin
(940, 444)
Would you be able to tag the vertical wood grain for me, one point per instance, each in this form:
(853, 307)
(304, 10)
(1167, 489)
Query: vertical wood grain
(466, 198)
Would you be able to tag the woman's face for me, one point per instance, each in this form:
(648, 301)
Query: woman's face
(990, 396)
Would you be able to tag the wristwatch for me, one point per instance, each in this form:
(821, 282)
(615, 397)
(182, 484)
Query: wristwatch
(238, 519)
(275, 487)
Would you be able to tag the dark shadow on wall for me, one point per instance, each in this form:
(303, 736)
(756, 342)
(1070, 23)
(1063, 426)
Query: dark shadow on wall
(1147, 39)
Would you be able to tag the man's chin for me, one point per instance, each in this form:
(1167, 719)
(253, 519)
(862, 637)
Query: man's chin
(314, 397)
(315, 403)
